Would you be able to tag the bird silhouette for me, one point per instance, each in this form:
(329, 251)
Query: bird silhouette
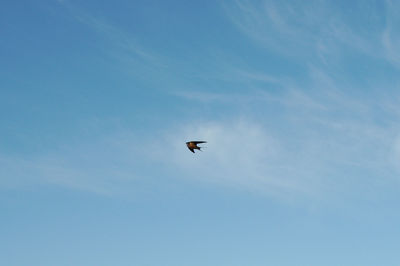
(192, 145)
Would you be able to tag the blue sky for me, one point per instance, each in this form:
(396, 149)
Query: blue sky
(298, 102)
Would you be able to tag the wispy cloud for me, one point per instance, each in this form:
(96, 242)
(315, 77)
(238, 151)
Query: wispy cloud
(253, 156)
(315, 31)
(118, 43)
(322, 136)
(105, 165)
(239, 153)
(311, 149)
(390, 35)
(276, 26)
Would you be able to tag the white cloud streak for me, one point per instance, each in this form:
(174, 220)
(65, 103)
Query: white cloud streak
(391, 36)
(314, 30)
(239, 154)
(323, 142)
(104, 165)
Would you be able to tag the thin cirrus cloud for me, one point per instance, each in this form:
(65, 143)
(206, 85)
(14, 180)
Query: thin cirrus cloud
(252, 156)
(102, 165)
(317, 28)
(117, 43)
(295, 156)
(319, 140)
(322, 142)
(313, 157)
(239, 153)
(390, 36)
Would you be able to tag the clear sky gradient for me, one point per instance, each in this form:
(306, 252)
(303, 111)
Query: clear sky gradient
(298, 100)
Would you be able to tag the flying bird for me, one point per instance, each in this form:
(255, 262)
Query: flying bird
(192, 145)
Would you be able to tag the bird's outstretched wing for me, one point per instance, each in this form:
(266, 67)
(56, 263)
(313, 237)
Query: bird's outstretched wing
(198, 142)
(191, 150)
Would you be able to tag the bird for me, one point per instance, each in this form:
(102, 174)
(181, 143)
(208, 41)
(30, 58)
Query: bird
(192, 145)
